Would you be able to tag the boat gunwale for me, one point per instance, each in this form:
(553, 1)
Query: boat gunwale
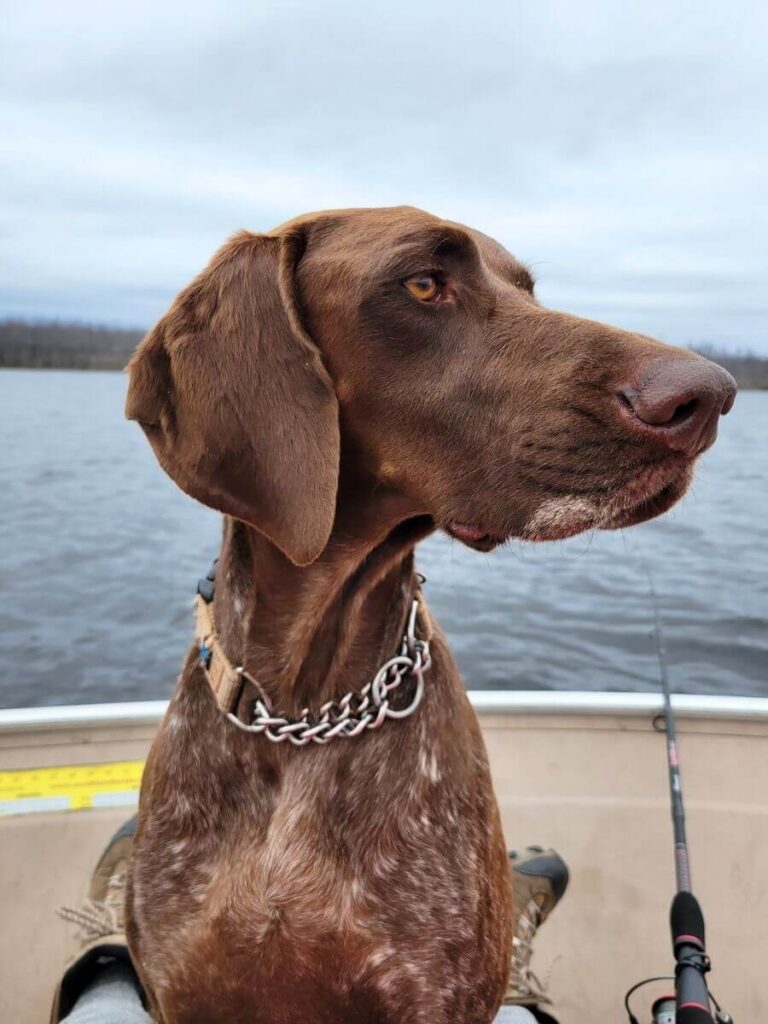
(485, 702)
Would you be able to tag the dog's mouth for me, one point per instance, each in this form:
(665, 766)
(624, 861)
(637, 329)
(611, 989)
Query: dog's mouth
(475, 536)
(649, 493)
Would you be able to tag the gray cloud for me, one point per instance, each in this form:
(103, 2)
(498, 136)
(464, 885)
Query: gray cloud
(622, 150)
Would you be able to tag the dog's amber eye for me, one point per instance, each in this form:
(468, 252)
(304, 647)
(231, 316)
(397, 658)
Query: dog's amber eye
(424, 287)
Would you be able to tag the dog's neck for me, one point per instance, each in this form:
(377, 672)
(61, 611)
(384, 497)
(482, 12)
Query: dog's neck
(309, 634)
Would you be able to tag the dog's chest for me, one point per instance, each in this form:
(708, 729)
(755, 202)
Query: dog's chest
(349, 886)
(312, 938)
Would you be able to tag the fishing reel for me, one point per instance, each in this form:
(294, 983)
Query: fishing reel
(663, 1012)
(664, 1009)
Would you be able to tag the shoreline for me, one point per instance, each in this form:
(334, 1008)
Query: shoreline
(119, 367)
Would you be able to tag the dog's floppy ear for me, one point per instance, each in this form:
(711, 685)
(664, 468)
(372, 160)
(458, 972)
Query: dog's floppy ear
(235, 400)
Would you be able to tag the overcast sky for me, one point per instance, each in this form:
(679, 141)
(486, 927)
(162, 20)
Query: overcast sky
(619, 148)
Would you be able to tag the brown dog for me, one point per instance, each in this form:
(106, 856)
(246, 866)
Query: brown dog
(340, 388)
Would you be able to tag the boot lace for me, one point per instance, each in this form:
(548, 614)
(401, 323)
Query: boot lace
(522, 980)
(98, 919)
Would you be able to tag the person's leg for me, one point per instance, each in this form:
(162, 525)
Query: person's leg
(539, 879)
(514, 1015)
(522, 1015)
(100, 986)
(112, 997)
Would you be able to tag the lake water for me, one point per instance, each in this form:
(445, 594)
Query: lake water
(100, 556)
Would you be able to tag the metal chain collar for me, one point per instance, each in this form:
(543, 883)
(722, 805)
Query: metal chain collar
(355, 712)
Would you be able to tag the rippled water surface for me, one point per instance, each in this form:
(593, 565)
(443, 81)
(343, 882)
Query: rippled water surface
(100, 554)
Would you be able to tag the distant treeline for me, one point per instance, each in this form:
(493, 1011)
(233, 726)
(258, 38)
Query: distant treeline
(749, 371)
(65, 346)
(84, 347)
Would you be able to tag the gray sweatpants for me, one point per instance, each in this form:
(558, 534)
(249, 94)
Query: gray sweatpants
(112, 998)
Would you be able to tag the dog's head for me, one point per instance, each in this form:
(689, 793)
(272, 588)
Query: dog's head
(417, 347)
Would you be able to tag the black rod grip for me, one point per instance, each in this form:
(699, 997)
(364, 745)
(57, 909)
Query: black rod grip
(686, 920)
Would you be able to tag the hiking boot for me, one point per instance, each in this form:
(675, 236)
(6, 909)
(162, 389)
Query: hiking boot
(539, 879)
(101, 920)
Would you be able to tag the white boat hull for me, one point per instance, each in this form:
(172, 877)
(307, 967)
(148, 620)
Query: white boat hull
(584, 773)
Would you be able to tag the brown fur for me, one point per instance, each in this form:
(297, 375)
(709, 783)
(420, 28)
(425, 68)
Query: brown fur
(297, 387)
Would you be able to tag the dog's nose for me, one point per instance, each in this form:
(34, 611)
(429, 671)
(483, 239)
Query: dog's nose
(679, 402)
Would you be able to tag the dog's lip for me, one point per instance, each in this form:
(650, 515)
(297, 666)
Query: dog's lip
(648, 507)
(653, 492)
(474, 535)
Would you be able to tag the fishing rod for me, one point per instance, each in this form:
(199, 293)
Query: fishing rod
(692, 1003)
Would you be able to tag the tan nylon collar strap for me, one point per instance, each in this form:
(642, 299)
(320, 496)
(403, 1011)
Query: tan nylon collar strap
(225, 680)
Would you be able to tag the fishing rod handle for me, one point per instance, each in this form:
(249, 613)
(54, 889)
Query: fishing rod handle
(692, 997)
(687, 926)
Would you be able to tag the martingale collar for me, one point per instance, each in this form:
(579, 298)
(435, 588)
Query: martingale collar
(350, 716)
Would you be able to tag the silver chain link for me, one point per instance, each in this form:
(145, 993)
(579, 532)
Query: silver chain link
(355, 712)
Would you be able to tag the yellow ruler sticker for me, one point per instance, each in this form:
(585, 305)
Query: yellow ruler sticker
(70, 787)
